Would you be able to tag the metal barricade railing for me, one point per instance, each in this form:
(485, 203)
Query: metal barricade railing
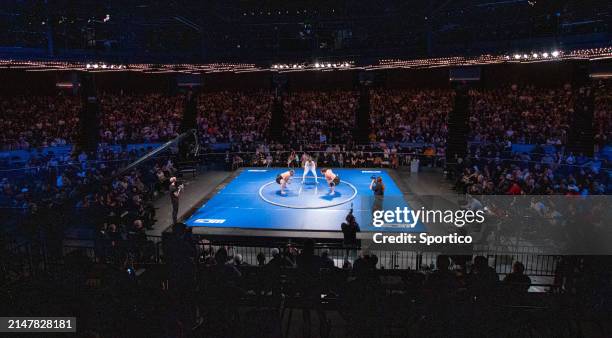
(370, 159)
(536, 264)
(29, 259)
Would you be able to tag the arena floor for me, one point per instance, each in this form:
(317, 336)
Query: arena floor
(252, 200)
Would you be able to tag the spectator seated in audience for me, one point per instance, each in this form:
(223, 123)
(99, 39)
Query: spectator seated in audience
(517, 281)
(442, 280)
(482, 279)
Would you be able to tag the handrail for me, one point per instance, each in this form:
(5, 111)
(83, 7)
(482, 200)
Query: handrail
(203, 153)
(394, 260)
(73, 162)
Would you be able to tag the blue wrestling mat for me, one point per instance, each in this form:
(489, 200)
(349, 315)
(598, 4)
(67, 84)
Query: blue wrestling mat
(252, 200)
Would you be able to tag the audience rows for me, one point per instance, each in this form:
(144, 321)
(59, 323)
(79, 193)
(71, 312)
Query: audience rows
(320, 117)
(53, 194)
(514, 114)
(491, 169)
(415, 116)
(521, 114)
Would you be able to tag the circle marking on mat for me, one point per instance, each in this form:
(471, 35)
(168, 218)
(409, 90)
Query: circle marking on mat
(352, 197)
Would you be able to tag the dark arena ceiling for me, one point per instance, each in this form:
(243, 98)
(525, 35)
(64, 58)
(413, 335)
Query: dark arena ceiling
(271, 31)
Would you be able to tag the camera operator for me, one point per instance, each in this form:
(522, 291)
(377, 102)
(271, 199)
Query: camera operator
(175, 191)
(378, 188)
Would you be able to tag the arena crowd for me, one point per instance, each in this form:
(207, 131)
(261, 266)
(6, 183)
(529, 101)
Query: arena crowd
(407, 125)
(516, 114)
(52, 191)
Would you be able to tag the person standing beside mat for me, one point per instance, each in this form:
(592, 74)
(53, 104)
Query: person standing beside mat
(175, 192)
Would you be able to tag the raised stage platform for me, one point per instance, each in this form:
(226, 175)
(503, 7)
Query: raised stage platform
(249, 203)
